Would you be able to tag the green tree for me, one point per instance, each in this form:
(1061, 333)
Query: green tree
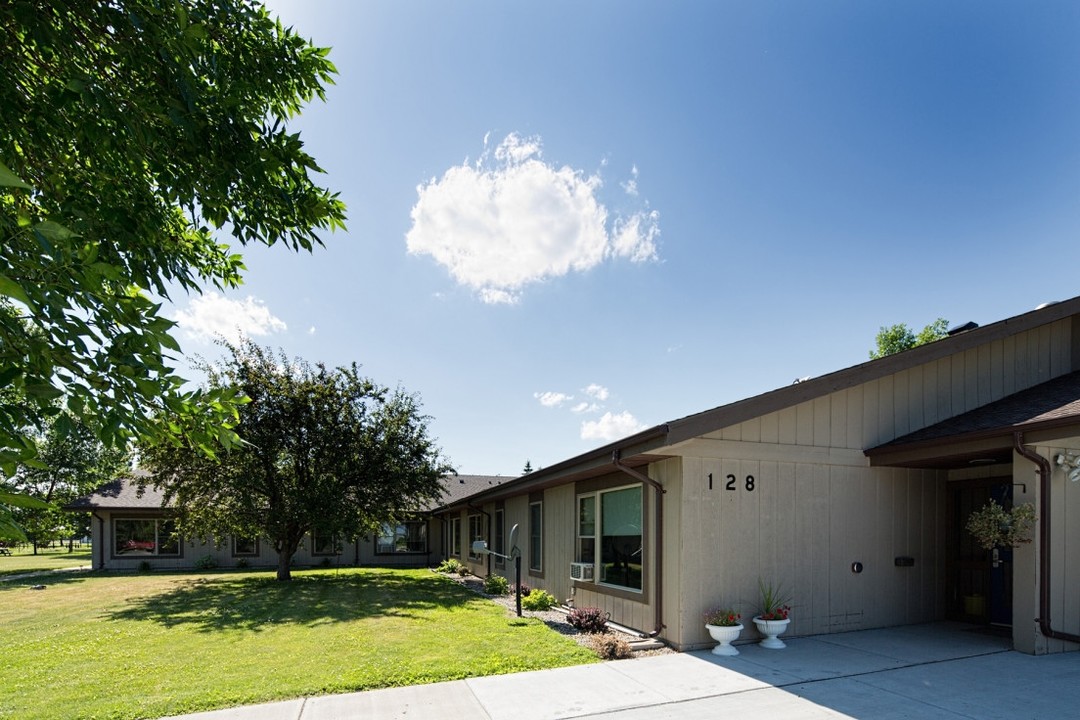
(132, 132)
(71, 461)
(325, 449)
(528, 468)
(897, 338)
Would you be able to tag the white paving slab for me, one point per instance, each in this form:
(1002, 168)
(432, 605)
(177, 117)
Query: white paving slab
(763, 704)
(687, 676)
(561, 693)
(446, 701)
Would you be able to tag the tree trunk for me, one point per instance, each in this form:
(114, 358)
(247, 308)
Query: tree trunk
(284, 559)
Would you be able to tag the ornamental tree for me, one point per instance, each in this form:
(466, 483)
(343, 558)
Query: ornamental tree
(324, 449)
(132, 132)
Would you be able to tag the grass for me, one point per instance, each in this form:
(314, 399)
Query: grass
(22, 560)
(144, 646)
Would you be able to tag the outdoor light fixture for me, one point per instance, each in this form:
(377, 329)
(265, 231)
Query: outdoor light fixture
(1070, 462)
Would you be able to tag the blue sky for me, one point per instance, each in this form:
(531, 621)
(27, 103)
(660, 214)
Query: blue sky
(570, 221)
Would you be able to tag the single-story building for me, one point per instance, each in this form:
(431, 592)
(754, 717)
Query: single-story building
(850, 490)
(130, 528)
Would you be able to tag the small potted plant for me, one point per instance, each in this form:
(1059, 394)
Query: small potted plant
(774, 616)
(995, 527)
(724, 627)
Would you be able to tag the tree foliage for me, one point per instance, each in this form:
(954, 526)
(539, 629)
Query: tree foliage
(325, 449)
(71, 462)
(897, 338)
(131, 133)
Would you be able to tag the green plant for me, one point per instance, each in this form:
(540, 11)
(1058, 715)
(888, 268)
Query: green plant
(206, 562)
(994, 526)
(525, 589)
(243, 563)
(326, 562)
(538, 600)
(496, 585)
(450, 565)
(462, 570)
(724, 617)
(588, 619)
(144, 566)
(609, 646)
(774, 601)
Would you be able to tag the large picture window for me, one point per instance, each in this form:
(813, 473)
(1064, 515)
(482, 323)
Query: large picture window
(245, 546)
(406, 537)
(536, 536)
(136, 537)
(609, 535)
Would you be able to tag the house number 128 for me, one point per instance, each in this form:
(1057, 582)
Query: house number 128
(731, 483)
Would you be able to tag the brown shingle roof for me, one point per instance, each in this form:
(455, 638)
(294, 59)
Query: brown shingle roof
(1056, 401)
(120, 494)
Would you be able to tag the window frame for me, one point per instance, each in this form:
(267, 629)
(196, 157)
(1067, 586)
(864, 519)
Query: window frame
(476, 532)
(599, 536)
(498, 540)
(404, 524)
(335, 542)
(536, 538)
(159, 523)
(238, 553)
(454, 531)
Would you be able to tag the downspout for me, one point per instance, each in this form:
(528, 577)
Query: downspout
(1044, 471)
(101, 534)
(488, 516)
(659, 543)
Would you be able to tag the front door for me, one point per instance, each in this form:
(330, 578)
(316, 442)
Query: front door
(979, 581)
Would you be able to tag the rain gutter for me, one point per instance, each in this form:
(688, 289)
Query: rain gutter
(1044, 470)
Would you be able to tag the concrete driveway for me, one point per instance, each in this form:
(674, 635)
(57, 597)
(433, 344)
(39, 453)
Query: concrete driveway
(941, 670)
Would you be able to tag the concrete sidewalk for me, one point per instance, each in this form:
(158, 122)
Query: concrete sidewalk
(943, 670)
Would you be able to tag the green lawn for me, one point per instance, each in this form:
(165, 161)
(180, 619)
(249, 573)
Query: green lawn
(22, 560)
(145, 646)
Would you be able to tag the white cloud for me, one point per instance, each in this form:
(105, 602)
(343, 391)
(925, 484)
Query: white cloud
(552, 399)
(210, 315)
(596, 391)
(311, 330)
(630, 186)
(512, 219)
(585, 407)
(611, 427)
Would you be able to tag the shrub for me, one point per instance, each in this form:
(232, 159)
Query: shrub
(496, 585)
(206, 562)
(609, 646)
(144, 566)
(525, 589)
(242, 563)
(462, 570)
(538, 600)
(326, 562)
(588, 619)
(449, 565)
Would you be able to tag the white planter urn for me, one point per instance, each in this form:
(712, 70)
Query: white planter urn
(725, 635)
(770, 629)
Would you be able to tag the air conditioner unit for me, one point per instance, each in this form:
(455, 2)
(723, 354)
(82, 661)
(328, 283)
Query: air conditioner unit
(582, 571)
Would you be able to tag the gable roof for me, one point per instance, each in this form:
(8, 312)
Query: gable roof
(649, 445)
(1051, 404)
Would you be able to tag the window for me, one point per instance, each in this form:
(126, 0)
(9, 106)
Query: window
(586, 543)
(612, 517)
(324, 543)
(455, 535)
(406, 537)
(245, 546)
(536, 536)
(476, 532)
(136, 537)
(500, 537)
